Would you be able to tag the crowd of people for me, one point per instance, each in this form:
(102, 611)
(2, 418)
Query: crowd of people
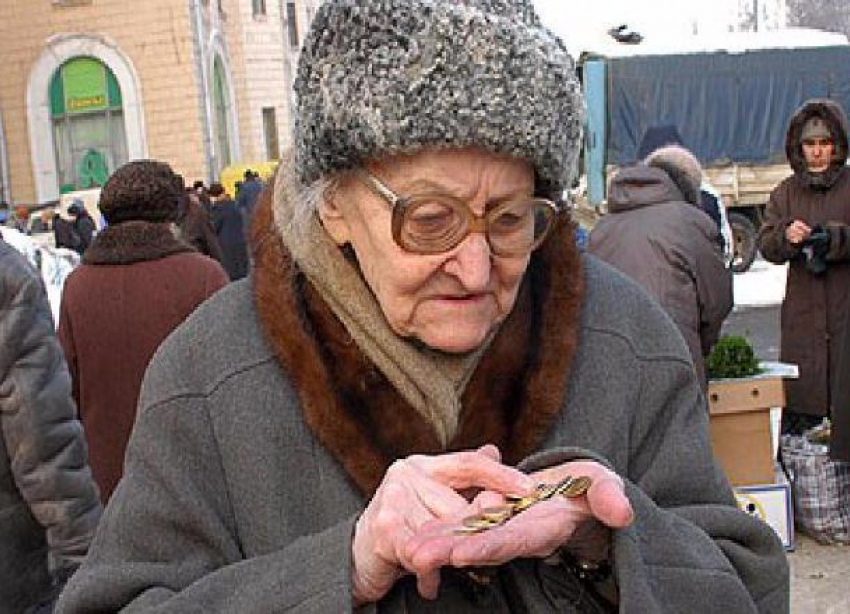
(208, 219)
(413, 340)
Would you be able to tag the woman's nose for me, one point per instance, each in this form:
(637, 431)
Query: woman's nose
(472, 263)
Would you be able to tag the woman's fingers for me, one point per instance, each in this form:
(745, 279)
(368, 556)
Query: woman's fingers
(535, 533)
(608, 503)
(473, 469)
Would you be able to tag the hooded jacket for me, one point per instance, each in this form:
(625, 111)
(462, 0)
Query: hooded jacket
(670, 247)
(49, 505)
(816, 307)
(264, 431)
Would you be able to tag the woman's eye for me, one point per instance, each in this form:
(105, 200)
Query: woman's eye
(512, 218)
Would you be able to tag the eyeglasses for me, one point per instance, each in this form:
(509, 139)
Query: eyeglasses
(435, 223)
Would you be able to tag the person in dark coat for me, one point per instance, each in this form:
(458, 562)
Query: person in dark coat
(227, 223)
(655, 233)
(136, 284)
(65, 235)
(49, 506)
(84, 225)
(246, 197)
(807, 224)
(195, 227)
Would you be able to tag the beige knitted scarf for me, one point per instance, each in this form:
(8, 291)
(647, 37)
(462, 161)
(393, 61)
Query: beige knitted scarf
(431, 381)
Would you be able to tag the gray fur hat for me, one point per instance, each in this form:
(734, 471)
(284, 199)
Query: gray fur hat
(384, 77)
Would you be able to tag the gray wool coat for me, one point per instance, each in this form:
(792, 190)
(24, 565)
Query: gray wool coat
(230, 504)
(49, 504)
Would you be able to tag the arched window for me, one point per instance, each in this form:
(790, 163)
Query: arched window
(86, 109)
(221, 110)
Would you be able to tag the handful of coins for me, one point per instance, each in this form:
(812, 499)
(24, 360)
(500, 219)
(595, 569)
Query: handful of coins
(491, 517)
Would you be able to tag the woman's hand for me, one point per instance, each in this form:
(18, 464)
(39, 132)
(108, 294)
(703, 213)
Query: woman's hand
(797, 231)
(415, 492)
(535, 533)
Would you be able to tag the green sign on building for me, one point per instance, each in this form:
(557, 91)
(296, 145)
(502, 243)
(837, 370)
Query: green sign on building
(83, 85)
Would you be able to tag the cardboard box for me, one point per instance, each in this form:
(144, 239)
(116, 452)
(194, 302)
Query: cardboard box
(772, 504)
(740, 427)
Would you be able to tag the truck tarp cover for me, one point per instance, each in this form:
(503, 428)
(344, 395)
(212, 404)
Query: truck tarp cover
(727, 107)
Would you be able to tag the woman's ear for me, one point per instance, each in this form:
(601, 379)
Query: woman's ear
(333, 219)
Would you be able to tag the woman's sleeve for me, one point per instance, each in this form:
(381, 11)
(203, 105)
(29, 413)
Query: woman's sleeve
(168, 541)
(839, 242)
(689, 547)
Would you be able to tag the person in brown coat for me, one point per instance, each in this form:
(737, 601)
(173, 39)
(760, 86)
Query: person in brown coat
(657, 234)
(806, 224)
(137, 283)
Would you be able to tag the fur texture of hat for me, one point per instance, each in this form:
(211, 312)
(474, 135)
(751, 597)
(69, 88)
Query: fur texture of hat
(143, 190)
(384, 77)
(682, 167)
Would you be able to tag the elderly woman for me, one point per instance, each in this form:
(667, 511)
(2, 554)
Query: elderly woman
(420, 342)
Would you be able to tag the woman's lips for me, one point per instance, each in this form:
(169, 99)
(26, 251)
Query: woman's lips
(461, 299)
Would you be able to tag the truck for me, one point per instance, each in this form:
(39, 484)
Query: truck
(731, 105)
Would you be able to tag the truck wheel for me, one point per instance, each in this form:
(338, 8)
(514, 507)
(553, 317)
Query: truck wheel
(744, 237)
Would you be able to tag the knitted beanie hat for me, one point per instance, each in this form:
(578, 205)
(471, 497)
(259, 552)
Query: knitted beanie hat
(143, 190)
(385, 77)
(682, 167)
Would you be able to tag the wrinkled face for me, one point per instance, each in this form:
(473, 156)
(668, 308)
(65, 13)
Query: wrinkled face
(448, 301)
(818, 153)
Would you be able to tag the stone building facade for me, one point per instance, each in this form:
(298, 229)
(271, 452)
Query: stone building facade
(87, 85)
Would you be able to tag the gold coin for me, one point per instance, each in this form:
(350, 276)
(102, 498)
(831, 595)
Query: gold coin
(577, 487)
(477, 522)
(497, 514)
(525, 503)
(546, 492)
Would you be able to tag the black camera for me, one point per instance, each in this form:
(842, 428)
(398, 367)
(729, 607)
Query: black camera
(815, 248)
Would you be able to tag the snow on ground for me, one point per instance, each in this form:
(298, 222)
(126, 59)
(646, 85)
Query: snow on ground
(762, 286)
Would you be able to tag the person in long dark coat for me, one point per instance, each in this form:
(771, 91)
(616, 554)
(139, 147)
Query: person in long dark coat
(195, 227)
(137, 283)
(227, 222)
(813, 202)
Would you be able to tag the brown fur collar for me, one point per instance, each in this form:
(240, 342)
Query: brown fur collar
(512, 400)
(134, 241)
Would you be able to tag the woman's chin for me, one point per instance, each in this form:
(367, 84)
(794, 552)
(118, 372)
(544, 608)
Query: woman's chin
(455, 340)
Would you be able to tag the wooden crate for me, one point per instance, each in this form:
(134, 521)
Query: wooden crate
(740, 427)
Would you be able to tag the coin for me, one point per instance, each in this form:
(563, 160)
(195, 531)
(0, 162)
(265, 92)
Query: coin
(577, 487)
(498, 514)
(474, 522)
(525, 503)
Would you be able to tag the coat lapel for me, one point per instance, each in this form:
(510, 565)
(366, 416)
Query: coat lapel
(512, 399)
